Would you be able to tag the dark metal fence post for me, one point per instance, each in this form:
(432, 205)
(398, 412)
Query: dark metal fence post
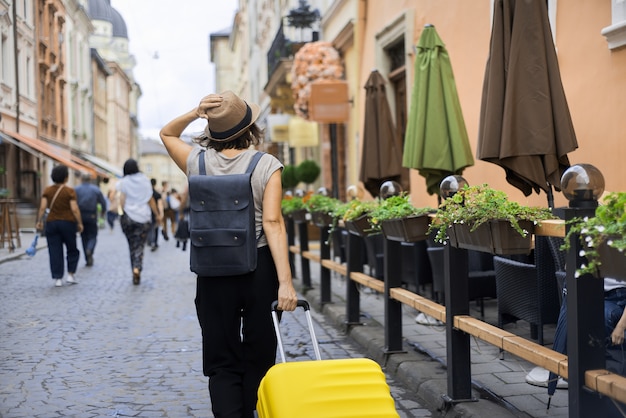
(457, 342)
(291, 241)
(324, 272)
(354, 263)
(305, 265)
(585, 329)
(393, 308)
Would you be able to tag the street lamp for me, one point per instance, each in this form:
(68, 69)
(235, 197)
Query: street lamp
(450, 185)
(303, 17)
(582, 185)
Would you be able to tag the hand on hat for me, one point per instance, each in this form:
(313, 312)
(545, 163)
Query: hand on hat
(208, 102)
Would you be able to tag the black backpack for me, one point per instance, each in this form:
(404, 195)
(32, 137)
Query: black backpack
(221, 222)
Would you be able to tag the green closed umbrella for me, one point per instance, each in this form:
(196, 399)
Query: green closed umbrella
(436, 141)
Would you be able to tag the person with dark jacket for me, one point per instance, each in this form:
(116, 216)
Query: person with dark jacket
(89, 196)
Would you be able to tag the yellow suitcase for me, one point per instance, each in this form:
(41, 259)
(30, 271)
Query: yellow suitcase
(343, 388)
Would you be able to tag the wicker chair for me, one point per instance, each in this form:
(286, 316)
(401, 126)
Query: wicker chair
(416, 270)
(481, 276)
(528, 291)
(558, 256)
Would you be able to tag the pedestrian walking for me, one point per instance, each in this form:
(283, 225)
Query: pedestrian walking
(153, 235)
(182, 226)
(238, 340)
(63, 221)
(113, 207)
(168, 213)
(88, 197)
(138, 204)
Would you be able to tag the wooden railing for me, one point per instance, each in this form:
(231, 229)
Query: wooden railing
(580, 368)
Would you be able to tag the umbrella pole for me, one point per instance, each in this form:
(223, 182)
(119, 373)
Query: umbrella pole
(550, 197)
(333, 160)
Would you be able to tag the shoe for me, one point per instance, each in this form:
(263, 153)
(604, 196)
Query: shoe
(540, 376)
(58, 283)
(424, 319)
(177, 244)
(89, 259)
(153, 247)
(184, 245)
(70, 279)
(165, 237)
(136, 276)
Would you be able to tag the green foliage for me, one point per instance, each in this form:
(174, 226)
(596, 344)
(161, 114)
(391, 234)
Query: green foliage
(354, 208)
(307, 171)
(394, 207)
(289, 178)
(291, 204)
(475, 205)
(321, 203)
(609, 225)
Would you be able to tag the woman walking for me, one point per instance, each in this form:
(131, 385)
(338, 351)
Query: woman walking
(238, 340)
(138, 206)
(62, 224)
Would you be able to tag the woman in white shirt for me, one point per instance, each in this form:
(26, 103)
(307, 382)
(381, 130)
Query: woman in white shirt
(138, 205)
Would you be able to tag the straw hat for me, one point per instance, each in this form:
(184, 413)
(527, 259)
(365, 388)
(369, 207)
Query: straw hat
(231, 118)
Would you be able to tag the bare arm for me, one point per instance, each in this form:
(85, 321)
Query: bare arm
(170, 134)
(76, 213)
(122, 200)
(274, 229)
(42, 208)
(617, 336)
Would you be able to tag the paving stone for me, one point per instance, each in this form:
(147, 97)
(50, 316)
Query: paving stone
(107, 348)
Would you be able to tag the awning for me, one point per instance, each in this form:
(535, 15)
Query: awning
(103, 164)
(37, 147)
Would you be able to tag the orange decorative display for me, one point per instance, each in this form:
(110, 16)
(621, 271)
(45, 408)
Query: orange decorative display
(314, 61)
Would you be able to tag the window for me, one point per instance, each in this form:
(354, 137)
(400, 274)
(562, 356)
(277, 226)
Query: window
(616, 33)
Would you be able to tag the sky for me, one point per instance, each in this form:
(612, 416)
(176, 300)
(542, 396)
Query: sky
(170, 43)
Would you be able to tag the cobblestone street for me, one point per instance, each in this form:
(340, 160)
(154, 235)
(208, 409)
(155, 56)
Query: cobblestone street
(105, 347)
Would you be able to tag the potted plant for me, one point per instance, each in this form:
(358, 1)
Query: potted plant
(321, 209)
(307, 171)
(293, 207)
(355, 215)
(603, 238)
(289, 178)
(484, 219)
(399, 220)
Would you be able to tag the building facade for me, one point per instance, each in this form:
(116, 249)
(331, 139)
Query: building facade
(67, 94)
(589, 38)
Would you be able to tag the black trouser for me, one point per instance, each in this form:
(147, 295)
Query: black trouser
(89, 236)
(238, 338)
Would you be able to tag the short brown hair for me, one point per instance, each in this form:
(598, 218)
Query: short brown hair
(251, 136)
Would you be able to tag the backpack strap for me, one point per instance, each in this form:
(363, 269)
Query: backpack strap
(201, 163)
(251, 166)
(250, 169)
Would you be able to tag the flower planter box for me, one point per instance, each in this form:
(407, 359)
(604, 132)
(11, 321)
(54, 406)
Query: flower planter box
(298, 216)
(613, 262)
(321, 219)
(409, 229)
(359, 226)
(495, 237)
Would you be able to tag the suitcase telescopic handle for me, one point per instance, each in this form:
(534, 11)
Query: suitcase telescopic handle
(307, 312)
(301, 303)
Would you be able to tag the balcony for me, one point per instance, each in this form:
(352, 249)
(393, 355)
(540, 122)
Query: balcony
(282, 49)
